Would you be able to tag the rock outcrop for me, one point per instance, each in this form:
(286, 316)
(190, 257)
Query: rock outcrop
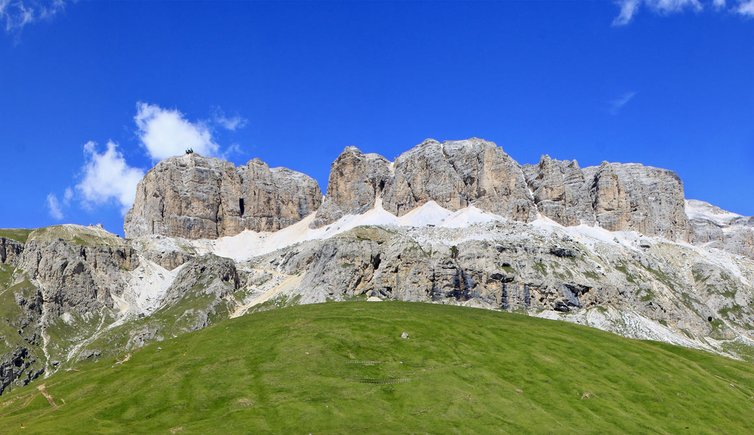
(505, 274)
(615, 196)
(10, 250)
(457, 174)
(639, 198)
(18, 368)
(195, 197)
(21, 359)
(167, 252)
(454, 174)
(78, 268)
(201, 294)
(356, 179)
(561, 191)
(717, 228)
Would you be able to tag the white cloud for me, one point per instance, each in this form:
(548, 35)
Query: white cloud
(231, 123)
(53, 207)
(629, 8)
(746, 8)
(617, 104)
(17, 14)
(166, 133)
(67, 196)
(107, 177)
(233, 149)
(671, 6)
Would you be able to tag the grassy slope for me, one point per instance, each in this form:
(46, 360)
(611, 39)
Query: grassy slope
(76, 234)
(343, 368)
(17, 234)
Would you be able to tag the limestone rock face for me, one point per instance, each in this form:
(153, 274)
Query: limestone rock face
(457, 174)
(167, 252)
(474, 172)
(195, 197)
(20, 358)
(717, 228)
(10, 250)
(209, 278)
(393, 265)
(561, 191)
(356, 179)
(17, 368)
(639, 198)
(181, 197)
(617, 197)
(275, 198)
(740, 238)
(78, 268)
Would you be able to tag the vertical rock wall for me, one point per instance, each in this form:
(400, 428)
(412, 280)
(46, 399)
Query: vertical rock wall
(195, 197)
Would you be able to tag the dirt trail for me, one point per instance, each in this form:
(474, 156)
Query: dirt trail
(287, 284)
(42, 389)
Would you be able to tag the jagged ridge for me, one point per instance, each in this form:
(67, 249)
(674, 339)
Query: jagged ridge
(195, 197)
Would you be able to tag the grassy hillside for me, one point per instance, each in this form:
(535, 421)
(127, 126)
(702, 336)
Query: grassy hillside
(344, 368)
(17, 234)
(76, 234)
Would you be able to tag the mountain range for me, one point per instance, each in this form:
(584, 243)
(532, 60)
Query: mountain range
(616, 246)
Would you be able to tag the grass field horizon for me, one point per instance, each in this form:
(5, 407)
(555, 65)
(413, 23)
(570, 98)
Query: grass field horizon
(344, 367)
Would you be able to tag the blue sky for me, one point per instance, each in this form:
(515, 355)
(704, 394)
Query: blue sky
(93, 93)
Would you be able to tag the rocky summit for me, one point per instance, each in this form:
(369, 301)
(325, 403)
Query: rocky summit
(615, 246)
(196, 197)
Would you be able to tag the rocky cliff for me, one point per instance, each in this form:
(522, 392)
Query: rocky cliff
(454, 174)
(10, 250)
(77, 269)
(356, 179)
(561, 191)
(77, 292)
(196, 197)
(457, 174)
(716, 228)
(617, 197)
(474, 172)
(639, 198)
